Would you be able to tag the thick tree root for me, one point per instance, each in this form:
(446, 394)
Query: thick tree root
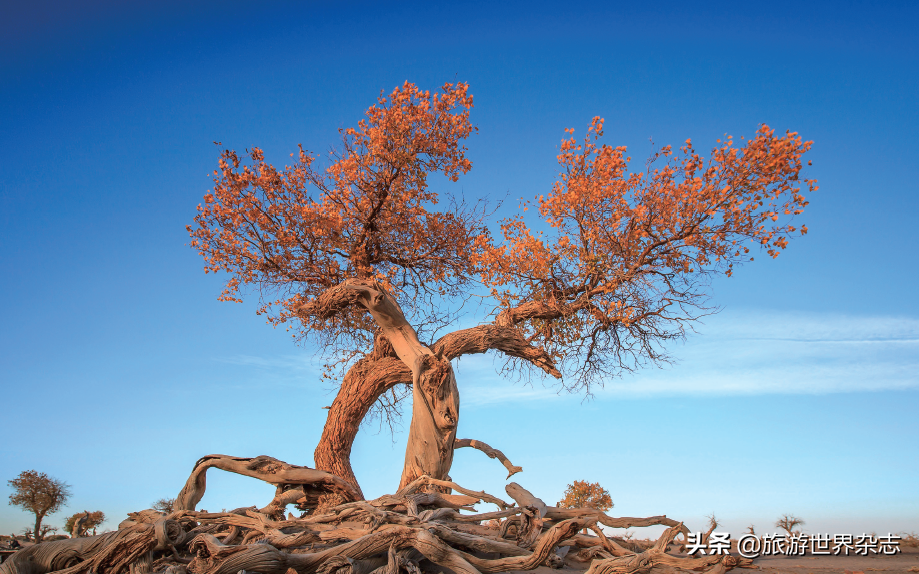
(296, 484)
(623, 561)
(419, 529)
(112, 552)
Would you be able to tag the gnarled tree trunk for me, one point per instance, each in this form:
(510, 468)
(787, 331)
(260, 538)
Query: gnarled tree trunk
(398, 357)
(435, 407)
(435, 413)
(369, 378)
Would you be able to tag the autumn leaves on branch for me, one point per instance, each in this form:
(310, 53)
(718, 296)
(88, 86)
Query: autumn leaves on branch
(620, 267)
(359, 254)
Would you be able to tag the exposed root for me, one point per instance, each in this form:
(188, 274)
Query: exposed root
(657, 559)
(406, 533)
(306, 482)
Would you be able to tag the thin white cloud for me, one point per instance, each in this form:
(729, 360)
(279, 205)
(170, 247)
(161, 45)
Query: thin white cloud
(746, 352)
(754, 352)
(292, 363)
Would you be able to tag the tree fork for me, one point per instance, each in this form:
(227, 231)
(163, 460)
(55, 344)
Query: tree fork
(435, 406)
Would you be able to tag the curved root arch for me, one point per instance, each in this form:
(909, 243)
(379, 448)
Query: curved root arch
(298, 485)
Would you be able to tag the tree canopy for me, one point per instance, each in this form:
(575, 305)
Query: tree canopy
(300, 231)
(85, 521)
(583, 494)
(623, 265)
(362, 255)
(164, 505)
(39, 494)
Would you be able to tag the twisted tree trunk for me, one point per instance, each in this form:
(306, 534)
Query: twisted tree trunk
(435, 407)
(399, 357)
(369, 378)
(435, 413)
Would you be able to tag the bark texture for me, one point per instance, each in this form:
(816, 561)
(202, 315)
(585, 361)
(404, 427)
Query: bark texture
(308, 484)
(361, 387)
(400, 358)
(410, 532)
(418, 528)
(435, 406)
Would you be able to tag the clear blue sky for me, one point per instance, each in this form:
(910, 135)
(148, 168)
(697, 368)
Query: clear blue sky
(120, 367)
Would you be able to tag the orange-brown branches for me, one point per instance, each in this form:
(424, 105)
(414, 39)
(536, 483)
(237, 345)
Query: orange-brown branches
(621, 265)
(625, 261)
(360, 251)
(296, 232)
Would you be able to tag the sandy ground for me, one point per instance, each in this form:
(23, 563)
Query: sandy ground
(906, 561)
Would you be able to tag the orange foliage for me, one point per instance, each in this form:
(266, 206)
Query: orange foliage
(619, 264)
(624, 261)
(583, 494)
(302, 229)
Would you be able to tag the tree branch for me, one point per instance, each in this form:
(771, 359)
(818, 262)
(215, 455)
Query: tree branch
(504, 338)
(490, 452)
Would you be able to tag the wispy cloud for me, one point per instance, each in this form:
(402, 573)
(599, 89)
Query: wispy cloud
(299, 363)
(754, 352)
(275, 371)
(734, 353)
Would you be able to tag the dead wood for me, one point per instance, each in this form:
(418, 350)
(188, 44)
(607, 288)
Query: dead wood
(655, 559)
(423, 481)
(505, 338)
(482, 517)
(544, 547)
(490, 452)
(109, 553)
(525, 499)
(531, 519)
(435, 396)
(77, 530)
(267, 559)
(313, 483)
(477, 543)
(393, 534)
(555, 513)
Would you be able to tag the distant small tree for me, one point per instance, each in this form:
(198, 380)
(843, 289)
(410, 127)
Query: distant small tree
(788, 522)
(39, 494)
(45, 530)
(712, 525)
(583, 494)
(92, 520)
(164, 505)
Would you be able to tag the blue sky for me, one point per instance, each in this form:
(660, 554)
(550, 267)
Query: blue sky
(120, 368)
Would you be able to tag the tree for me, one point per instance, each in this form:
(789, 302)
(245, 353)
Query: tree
(583, 494)
(788, 522)
(363, 258)
(81, 522)
(164, 505)
(44, 532)
(39, 494)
